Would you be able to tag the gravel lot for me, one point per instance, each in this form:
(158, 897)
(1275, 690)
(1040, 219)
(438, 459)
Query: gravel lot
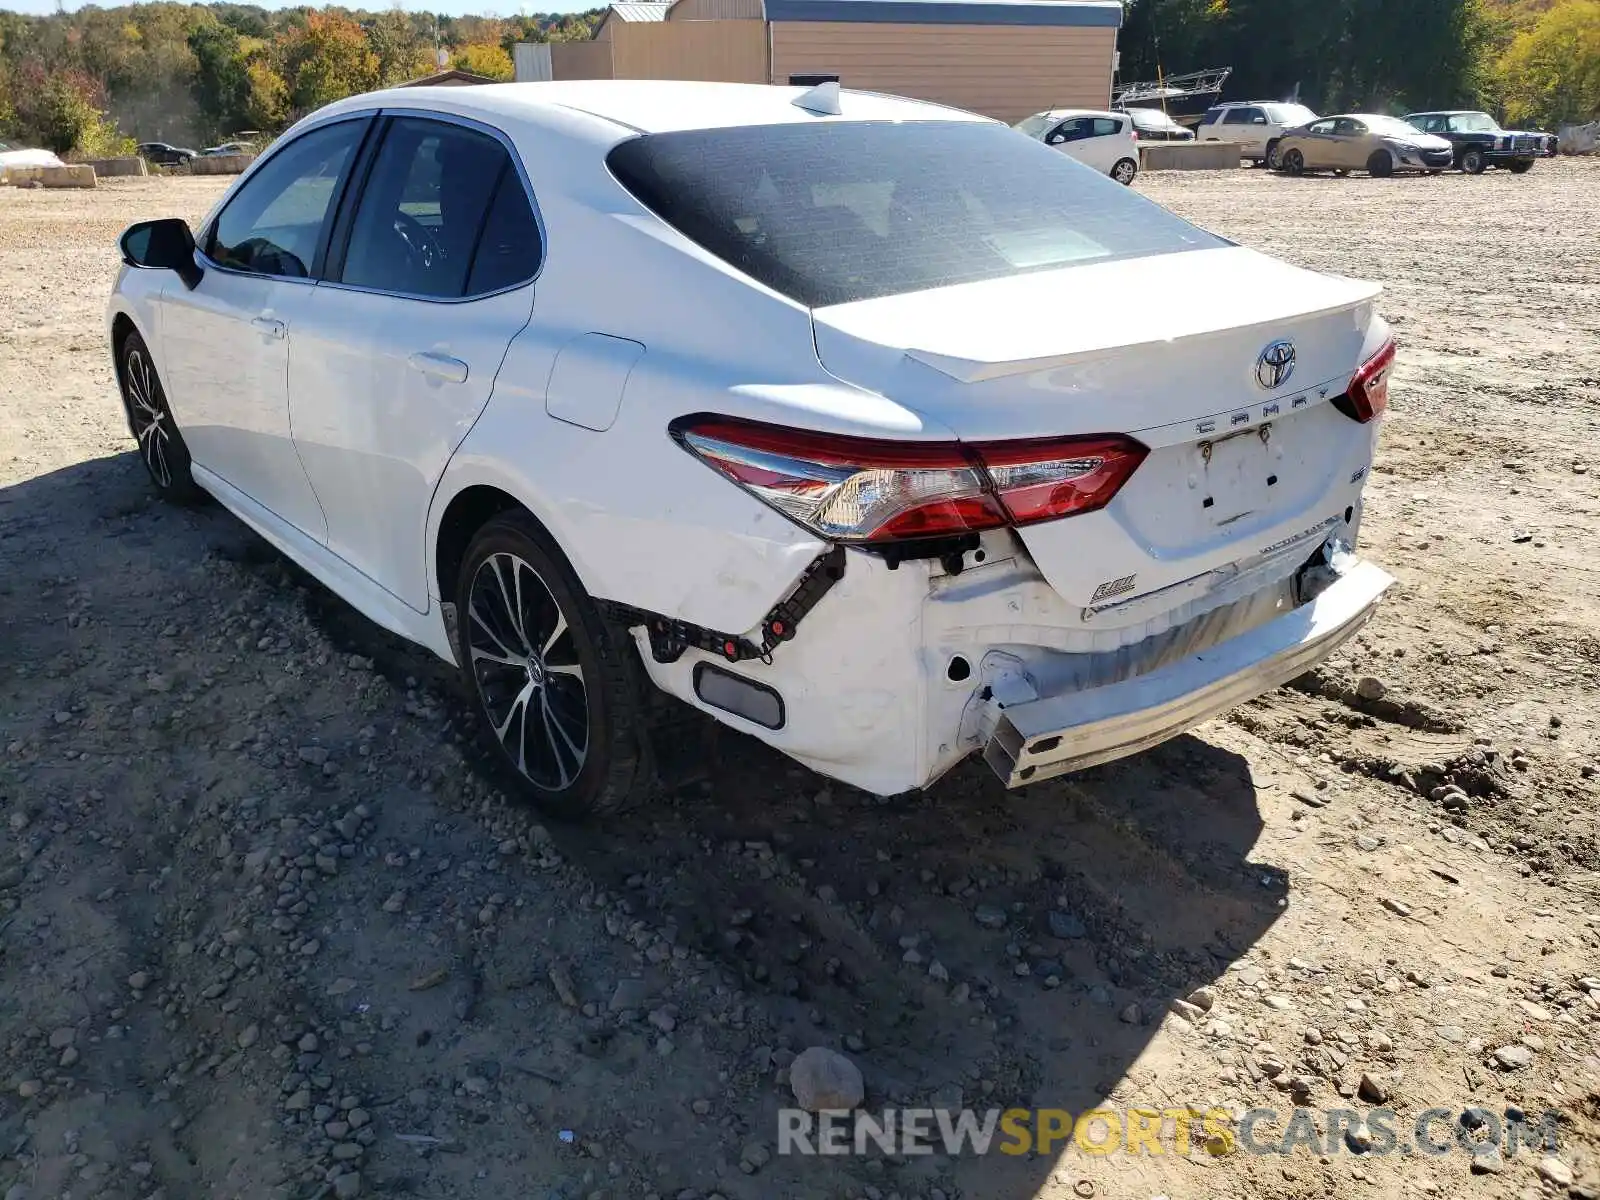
(269, 927)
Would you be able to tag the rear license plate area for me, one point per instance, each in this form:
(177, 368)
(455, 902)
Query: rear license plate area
(1236, 475)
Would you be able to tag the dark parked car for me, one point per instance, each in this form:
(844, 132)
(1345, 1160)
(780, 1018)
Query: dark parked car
(1153, 125)
(163, 155)
(1480, 143)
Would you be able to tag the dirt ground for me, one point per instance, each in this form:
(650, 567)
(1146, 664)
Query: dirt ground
(269, 927)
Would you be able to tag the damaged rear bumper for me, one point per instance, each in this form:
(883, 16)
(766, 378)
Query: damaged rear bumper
(1052, 735)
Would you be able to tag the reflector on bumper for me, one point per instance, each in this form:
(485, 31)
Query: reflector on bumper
(1053, 735)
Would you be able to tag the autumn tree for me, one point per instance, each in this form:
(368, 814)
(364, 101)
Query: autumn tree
(483, 59)
(1551, 72)
(324, 60)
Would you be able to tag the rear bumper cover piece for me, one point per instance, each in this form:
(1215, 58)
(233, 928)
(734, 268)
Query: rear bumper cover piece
(1053, 735)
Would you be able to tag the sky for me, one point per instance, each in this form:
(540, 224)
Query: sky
(482, 8)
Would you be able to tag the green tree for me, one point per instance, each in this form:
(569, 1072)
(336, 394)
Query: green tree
(222, 79)
(1551, 73)
(399, 47)
(268, 104)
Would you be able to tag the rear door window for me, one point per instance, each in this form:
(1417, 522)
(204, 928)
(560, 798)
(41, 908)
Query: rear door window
(832, 213)
(426, 204)
(1106, 126)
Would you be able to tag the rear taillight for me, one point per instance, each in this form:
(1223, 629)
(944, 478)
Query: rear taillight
(869, 490)
(1368, 394)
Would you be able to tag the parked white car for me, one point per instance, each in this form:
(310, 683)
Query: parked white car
(1256, 125)
(1106, 141)
(824, 416)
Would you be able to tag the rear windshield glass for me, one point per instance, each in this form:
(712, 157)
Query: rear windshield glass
(832, 212)
(1291, 114)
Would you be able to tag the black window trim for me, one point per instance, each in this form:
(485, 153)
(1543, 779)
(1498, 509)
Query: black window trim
(348, 202)
(314, 272)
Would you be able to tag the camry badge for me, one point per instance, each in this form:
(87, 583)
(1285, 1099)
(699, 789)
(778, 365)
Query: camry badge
(1275, 365)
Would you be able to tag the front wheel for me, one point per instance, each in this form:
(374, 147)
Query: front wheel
(1380, 165)
(1294, 162)
(558, 687)
(1474, 161)
(1124, 171)
(150, 421)
(1272, 160)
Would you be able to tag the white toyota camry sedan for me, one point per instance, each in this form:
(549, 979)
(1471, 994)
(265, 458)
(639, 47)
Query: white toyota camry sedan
(819, 411)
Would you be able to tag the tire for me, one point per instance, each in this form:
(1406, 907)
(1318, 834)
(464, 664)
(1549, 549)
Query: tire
(1380, 165)
(1294, 163)
(1520, 167)
(1125, 171)
(1271, 160)
(1474, 161)
(581, 671)
(150, 421)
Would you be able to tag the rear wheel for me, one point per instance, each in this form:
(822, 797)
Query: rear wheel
(558, 687)
(1473, 161)
(1380, 165)
(144, 400)
(1124, 171)
(1294, 162)
(1522, 166)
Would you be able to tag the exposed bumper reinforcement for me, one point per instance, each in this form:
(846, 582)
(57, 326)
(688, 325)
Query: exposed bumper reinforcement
(1054, 735)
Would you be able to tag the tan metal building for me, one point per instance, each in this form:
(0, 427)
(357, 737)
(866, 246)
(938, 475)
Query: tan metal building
(1003, 58)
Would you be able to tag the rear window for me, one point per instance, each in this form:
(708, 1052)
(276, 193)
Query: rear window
(829, 213)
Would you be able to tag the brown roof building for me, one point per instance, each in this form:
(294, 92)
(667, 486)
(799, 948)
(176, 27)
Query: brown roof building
(1003, 58)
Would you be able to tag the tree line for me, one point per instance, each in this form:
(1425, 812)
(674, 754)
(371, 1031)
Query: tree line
(1531, 61)
(95, 81)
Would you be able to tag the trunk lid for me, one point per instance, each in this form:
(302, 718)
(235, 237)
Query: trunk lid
(1166, 349)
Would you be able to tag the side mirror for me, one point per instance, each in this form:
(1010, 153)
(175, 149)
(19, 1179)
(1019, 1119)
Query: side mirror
(1055, 139)
(164, 245)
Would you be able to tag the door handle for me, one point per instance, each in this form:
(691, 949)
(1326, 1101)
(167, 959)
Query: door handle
(267, 326)
(439, 366)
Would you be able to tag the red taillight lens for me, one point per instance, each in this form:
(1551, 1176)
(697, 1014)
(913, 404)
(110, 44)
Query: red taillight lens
(1368, 394)
(1059, 477)
(868, 490)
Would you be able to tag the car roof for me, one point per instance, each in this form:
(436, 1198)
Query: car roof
(1153, 112)
(1058, 114)
(647, 105)
(1449, 112)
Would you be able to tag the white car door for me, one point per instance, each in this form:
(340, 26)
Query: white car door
(225, 342)
(1111, 141)
(1248, 127)
(430, 276)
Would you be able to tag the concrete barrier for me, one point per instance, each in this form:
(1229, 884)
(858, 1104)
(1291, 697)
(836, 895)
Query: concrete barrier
(76, 175)
(106, 168)
(220, 164)
(1189, 156)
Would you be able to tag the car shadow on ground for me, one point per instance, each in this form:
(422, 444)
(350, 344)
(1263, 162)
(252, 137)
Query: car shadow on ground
(967, 947)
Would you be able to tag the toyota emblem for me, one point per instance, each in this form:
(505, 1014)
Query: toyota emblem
(1275, 365)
